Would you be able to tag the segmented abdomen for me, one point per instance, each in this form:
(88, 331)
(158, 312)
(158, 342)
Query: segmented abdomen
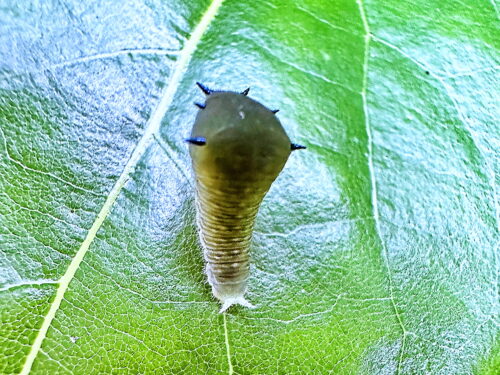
(225, 216)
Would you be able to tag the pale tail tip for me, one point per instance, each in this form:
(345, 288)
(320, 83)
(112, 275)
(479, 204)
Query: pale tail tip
(235, 301)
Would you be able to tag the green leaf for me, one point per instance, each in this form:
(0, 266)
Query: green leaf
(376, 250)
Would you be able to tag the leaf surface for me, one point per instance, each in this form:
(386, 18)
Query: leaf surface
(375, 251)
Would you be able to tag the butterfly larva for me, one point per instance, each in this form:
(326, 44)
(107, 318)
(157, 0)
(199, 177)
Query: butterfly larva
(238, 147)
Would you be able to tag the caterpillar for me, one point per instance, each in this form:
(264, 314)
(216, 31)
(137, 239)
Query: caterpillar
(237, 147)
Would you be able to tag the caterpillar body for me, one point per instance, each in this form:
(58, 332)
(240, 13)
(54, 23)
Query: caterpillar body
(238, 147)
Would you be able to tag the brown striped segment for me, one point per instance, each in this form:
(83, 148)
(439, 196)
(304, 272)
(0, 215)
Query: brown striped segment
(226, 215)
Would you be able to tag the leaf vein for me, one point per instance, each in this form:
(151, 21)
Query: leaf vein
(152, 127)
(367, 38)
(301, 316)
(111, 55)
(20, 164)
(228, 348)
(324, 21)
(165, 147)
(27, 283)
(297, 67)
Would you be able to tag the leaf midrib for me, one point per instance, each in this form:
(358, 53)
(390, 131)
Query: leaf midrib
(151, 129)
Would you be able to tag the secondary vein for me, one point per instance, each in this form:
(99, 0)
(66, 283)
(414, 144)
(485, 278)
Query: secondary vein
(152, 127)
(367, 38)
(228, 351)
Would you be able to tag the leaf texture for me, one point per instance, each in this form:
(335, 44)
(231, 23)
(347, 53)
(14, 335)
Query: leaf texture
(375, 251)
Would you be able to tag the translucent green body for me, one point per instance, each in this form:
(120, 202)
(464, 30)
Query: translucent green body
(246, 148)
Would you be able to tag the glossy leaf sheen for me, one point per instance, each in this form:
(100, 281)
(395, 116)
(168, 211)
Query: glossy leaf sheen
(375, 251)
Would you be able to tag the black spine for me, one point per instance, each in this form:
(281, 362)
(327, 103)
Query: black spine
(204, 88)
(295, 146)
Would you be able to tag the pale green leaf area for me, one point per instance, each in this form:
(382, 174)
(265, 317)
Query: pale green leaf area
(376, 250)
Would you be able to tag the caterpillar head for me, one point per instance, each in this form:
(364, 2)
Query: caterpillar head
(235, 137)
